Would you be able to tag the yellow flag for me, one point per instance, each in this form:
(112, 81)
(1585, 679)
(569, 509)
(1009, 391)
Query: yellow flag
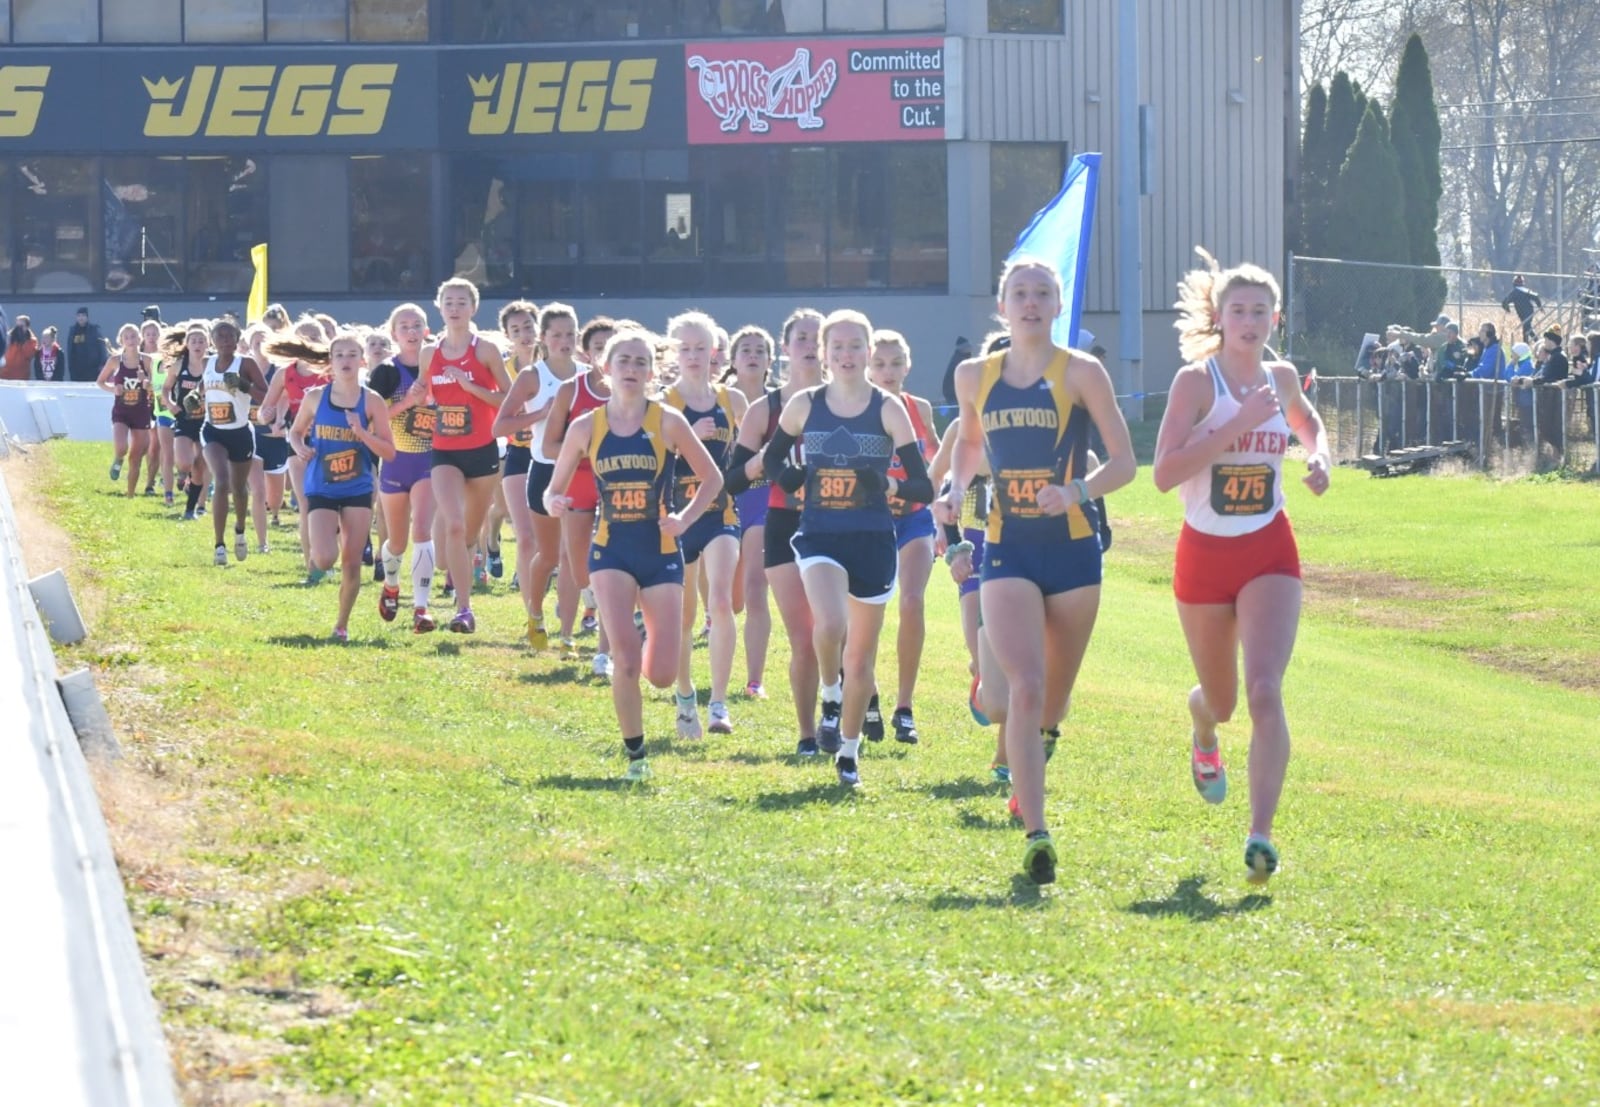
(256, 306)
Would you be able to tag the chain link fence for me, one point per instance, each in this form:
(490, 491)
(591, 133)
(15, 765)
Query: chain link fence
(1488, 425)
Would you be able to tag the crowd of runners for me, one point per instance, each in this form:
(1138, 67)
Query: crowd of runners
(646, 471)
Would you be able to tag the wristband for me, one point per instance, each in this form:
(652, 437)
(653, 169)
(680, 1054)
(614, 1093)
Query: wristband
(953, 552)
(1083, 490)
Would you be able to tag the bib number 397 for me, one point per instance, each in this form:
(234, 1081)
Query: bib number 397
(1239, 490)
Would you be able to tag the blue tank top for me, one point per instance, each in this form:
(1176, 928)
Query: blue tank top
(342, 467)
(633, 474)
(1034, 436)
(685, 485)
(835, 447)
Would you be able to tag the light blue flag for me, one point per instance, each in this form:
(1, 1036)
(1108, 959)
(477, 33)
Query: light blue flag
(1059, 234)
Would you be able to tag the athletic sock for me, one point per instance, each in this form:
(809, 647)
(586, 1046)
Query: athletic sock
(391, 567)
(422, 572)
(635, 747)
(851, 748)
(833, 693)
(192, 496)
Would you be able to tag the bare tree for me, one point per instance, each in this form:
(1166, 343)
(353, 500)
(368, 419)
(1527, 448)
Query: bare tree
(1361, 37)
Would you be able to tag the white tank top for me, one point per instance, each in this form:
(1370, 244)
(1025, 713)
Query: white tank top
(225, 409)
(1241, 491)
(548, 384)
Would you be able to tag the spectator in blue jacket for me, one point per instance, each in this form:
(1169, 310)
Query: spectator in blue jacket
(1492, 363)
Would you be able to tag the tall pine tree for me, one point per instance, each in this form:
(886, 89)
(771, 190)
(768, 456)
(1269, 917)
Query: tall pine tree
(1367, 223)
(1313, 189)
(1414, 132)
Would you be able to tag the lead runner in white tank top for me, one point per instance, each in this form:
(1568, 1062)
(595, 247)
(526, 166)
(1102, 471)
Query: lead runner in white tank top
(1253, 460)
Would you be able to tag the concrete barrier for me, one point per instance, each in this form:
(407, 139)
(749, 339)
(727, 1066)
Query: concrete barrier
(33, 411)
(78, 1025)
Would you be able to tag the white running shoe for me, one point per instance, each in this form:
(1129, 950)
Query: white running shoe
(602, 665)
(688, 718)
(720, 722)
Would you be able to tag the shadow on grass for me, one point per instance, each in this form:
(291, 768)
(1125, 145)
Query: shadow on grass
(1024, 893)
(569, 783)
(964, 789)
(831, 792)
(1190, 900)
(569, 673)
(314, 641)
(971, 820)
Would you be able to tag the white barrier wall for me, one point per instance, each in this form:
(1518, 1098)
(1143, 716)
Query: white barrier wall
(78, 1026)
(33, 411)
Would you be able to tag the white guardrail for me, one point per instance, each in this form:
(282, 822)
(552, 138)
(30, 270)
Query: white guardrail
(78, 1025)
(33, 411)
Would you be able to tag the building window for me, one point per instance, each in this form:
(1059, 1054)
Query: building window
(1029, 17)
(6, 245)
(306, 21)
(919, 219)
(142, 224)
(55, 20)
(5, 22)
(141, 20)
(55, 229)
(608, 20)
(916, 15)
(390, 224)
(736, 226)
(1023, 177)
(388, 20)
(225, 214)
(223, 21)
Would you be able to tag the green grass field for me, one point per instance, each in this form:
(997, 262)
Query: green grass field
(405, 870)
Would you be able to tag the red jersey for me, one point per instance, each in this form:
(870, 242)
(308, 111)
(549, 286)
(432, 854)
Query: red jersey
(296, 383)
(583, 399)
(926, 446)
(465, 422)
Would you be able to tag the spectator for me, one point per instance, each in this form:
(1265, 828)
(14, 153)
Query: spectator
(86, 349)
(1492, 364)
(1524, 301)
(21, 346)
(47, 362)
(1450, 358)
(1553, 368)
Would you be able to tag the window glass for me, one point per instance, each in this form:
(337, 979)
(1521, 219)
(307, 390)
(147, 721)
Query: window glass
(916, 15)
(803, 16)
(141, 217)
(5, 227)
(222, 21)
(140, 20)
(802, 173)
(858, 246)
(390, 227)
(388, 20)
(734, 227)
(674, 208)
(305, 20)
(54, 200)
(855, 15)
(919, 203)
(1035, 17)
(1023, 176)
(55, 20)
(225, 214)
(547, 226)
(611, 227)
(5, 22)
(483, 222)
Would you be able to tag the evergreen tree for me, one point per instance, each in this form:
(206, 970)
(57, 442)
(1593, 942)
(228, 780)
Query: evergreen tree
(1313, 173)
(1415, 134)
(1367, 223)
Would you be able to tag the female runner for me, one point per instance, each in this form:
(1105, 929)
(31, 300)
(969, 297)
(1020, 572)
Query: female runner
(752, 361)
(230, 385)
(466, 380)
(127, 377)
(783, 517)
(282, 406)
(1029, 408)
(405, 484)
(1237, 576)
(342, 428)
(161, 434)
(186, 347)
(711, 545)
(634, 560)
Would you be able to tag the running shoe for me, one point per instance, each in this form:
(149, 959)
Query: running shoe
(366, 553)
(341, 635)
(537, 638)
(569, 648)
(241, 548)
(421, 621)
(1260, 859)
(497, 566)
(688, 717)
(480, 576)
(388, 604)
(829, 740)
(516, 582)
(188, 517)
(1049, 738)
(1039, 859)
(1001, 773)
(601, 666)
(755, 691)
(315, 577)
(806, 747)
(905, 729)
(591, 621)
(972, 703)
(638, 770)
(263, 549)
(200, 509)
(116, 469)
(705, 628)
(377, 570)
(720, 722)
(464, 623)
(449, 592)
(169, 499)
(150, 490)
(849, 772)
(1209, 774)
(872, 725)
(1014, 807)
(638, 621)
(221, 556)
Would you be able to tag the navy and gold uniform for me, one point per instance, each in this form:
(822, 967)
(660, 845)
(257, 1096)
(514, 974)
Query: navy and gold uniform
(845, 519)
(633, 474)
(722, 517)
(1034, 437)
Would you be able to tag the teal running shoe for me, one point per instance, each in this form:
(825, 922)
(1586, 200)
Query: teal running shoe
(1260, 859)
(638, 770)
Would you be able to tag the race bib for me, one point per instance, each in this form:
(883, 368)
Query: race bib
(340, 466)
(627, 502)
(1016, 491)
(420, 422)
(132, 395)
(219, 412)
(1238, 490)
(837, 489)
(455, 421)
(523, 438)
